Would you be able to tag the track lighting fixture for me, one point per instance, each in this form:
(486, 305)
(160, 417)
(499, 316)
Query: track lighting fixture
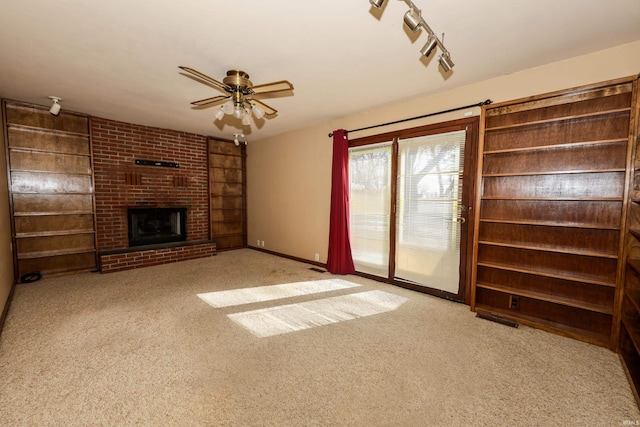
(377, 3)
(432, 43)
(414, 21)
(445, 61)
(55, 108)
(236, 139)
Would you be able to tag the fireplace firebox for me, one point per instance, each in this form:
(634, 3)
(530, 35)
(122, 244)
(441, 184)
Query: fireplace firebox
(153, 226)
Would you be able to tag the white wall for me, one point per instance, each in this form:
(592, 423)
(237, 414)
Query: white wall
(289, 175)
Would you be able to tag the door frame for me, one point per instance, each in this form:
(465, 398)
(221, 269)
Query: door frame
(471, 125)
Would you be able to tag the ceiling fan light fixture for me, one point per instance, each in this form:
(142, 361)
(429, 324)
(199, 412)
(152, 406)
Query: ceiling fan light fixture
(237, 112)
(377, 3)
(227, 107)
(431, 44)
(445, 62)
(412, 19)
(257, 111)
(246, 118)
(220, 113)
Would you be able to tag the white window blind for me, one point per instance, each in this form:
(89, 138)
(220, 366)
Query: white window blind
(369, 205)
(428, 210)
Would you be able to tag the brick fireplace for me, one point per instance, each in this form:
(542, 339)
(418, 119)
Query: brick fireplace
(175, 177)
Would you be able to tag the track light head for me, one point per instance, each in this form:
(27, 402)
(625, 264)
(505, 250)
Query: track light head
(412, 19)
(445, 61)
(55, 108)
(431, 44)
(377, 3)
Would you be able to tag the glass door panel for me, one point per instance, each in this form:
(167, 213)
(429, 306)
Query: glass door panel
(428, 208)
(369, 204)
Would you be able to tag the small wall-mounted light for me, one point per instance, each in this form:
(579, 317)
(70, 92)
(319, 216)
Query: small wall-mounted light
(55, 108)
(377, 3)
(236, 139)
(445, 61)
(431, 44)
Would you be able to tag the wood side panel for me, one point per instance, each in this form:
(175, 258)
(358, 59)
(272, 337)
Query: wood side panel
(233, 189)
(589, 157)
(49, 162)
(225, 162)
(558, 238)
(607, 127)
(575, 186)
(592, 323)
(53, 243)
(226, 202)
(227, 175)
(569, 265)
(19, 114)
(42, 140)
(58, 264)
(575, 212)
(33, 203)
(558, 288)
(36, 182)
(592, 105)
(53, 223)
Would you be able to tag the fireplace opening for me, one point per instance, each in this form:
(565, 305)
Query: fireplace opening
(152, 226)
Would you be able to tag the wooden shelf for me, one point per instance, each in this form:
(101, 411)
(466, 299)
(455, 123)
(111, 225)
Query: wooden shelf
(549, 326)
(555, 299)
(46, 130)
(53, 213)
(52, 172)
(554, 249)
(56, 193)
(556, 199)
(53, 152)
(556, 146)
(635, 232)
(59, 252)
(53, 233)
(552, 224)
(561, 119)
(567, 172)
(551, 274)
(634, 297)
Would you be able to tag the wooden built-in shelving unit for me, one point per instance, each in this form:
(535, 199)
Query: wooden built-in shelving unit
(227, 194)
(51, 187)
(629, 337)
(553, 178)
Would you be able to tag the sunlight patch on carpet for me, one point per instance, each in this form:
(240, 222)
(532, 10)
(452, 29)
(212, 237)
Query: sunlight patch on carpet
(269, 293)
(296, 317)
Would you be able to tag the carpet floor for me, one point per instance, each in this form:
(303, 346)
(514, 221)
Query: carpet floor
(250, 339)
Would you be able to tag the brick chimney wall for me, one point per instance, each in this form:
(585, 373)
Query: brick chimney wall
(120, 183)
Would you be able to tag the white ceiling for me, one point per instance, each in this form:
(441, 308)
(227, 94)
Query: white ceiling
(119, 59)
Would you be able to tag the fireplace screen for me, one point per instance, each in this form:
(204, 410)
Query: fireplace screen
(151, 226)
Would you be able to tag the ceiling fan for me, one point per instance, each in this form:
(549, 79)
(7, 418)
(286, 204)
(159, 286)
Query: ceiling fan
(240, 101)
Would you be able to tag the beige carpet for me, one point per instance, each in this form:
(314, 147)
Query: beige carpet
(142, 348)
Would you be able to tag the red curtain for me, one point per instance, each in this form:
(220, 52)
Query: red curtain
(339, 259)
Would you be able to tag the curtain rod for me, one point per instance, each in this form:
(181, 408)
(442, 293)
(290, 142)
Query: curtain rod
(479, 104)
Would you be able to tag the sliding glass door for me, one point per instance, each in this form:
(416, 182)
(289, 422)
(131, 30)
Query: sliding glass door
(408, 198)
(428, 204)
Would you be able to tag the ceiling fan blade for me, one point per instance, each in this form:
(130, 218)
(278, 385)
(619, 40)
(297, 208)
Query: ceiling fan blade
(210, 100)
(267, 110)
(272, 87)
(204, 77)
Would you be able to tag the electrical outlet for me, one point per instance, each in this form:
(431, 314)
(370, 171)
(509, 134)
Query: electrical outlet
(262, 243)
(514, 302)
(258, 243)
(317, 257)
